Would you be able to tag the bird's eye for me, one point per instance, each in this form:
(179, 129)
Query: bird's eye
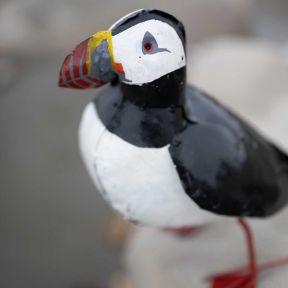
(148, 47)
(149, 44)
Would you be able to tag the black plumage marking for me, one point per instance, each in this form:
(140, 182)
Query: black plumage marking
(140, 114)
(225, 166)
(145, 15)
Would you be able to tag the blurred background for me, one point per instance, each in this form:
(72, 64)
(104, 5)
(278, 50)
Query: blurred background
(55, 229)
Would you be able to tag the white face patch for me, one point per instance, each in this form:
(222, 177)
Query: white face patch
(141, 66)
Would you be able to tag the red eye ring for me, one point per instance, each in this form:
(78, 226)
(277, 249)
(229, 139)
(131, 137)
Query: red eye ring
(148, 47)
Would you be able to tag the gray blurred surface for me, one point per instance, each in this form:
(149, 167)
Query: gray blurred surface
(51, 217)
(270, 20)
(38, 25)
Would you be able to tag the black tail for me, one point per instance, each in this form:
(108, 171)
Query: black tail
(282, 156)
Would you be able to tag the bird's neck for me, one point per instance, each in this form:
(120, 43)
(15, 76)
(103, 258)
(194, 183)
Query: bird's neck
(153, 111)
(164, 92)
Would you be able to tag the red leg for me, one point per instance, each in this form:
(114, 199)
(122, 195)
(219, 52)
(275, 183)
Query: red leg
(251, 253)
(246, 278)
(251, 249)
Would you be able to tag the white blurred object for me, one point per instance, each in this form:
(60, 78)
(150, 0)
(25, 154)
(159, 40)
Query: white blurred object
(251, 77)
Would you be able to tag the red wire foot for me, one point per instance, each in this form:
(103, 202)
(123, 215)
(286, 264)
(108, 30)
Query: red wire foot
(245, 278)
(234, 281)
(182, 231)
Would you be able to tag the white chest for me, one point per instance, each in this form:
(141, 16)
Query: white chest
(140, 183)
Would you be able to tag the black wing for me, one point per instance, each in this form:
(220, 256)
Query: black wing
(225, 166)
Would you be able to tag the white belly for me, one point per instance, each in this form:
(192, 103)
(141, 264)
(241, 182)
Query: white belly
(140, 183)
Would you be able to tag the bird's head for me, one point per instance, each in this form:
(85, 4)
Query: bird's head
(141, 47)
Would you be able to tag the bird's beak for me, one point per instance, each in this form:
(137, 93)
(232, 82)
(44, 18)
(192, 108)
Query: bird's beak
(91, 64)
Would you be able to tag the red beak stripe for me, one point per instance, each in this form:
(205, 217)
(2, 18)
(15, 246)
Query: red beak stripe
(74, 72)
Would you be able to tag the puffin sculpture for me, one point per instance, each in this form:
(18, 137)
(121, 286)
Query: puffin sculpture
(161, 152)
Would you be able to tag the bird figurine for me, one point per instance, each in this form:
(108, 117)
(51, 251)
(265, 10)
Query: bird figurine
(162, 152)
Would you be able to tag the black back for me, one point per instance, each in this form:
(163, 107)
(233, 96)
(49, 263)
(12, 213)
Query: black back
(225, 166)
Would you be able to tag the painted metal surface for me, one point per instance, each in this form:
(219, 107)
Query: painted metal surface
(225, 166)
